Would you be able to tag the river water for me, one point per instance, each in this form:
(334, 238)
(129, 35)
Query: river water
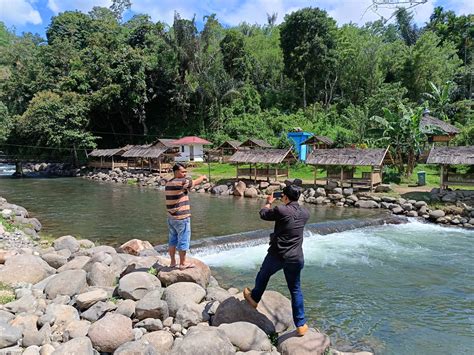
(393, 289)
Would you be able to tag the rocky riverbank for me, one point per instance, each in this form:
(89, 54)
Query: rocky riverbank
(459, 211)
(73, 297)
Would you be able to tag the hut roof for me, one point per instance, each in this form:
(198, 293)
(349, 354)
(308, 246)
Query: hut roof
(451, 155)
(190, 140)
(230, 144)
(167, 142)
(109, 152)
(347, 156)
(320, 139)
(430, 125)
(263, 156)
(252, 142)
(145, 151)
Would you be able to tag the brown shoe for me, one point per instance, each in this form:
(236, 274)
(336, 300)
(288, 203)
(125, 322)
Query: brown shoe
(248, 297)
(302, 330)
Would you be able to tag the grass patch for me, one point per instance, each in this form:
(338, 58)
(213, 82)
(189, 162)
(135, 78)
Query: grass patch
(7, 224)
(132, 182)
(6, 293)
(152, 271)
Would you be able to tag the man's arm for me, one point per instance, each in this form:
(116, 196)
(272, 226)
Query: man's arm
(199, 180)
(267, 213)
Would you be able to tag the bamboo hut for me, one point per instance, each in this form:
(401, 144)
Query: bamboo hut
(114, 154)
(436, 129)
(340, 165)
(448, 158)
(254, 143)
(149, 154)
(272, 158)
(223, 152)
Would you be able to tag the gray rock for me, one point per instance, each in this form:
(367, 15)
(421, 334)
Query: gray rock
(27, 303)
(47, 349)
(335, 196)
(76, 346)
(352, 198)
(388, 199)
(419, 204)
(32, 350)
(176, 328)
(54, 259)
(161, 340)
(58, 315)
(191, 314)
(407, 206)
(398, 210)
(240, 188)
(67, 242)
(151, 306)
(168, 322)
(77, 328)
(86, 243)
(6, 316)
(217, 294)
(86, 300)
(348, 191)
(136, 348)
(383, 188)
(75, 264)
(312, 343)
(366, 204)
(31, 336)
(203, 341)
(137, 284)
(8, 335)
(69, 283)
(25, 268)
(101, 275)
(219, 189)
(412, 214)
(108, 333)
(150, 324)
(423, 210)
(126, 308)
(246, 336)
(98, 310)
(12, 350)
(181, 293)
(437, 214)
(251, 192)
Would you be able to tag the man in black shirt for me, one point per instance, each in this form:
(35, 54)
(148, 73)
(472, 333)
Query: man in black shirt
(285, 252)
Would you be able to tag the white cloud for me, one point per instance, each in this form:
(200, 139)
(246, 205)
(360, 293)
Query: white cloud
(19, 12)
(57, 6)
(461, 7)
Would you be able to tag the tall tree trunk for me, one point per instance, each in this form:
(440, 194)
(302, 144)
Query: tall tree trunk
(304, 92)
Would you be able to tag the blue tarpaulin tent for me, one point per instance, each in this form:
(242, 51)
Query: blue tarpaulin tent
(297, 138)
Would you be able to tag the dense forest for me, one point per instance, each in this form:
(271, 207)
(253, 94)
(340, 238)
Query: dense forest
(98, 80)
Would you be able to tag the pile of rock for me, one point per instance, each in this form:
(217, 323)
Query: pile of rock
(453, 196)
(75, 297)
(50, 169)
(24, 230)
(139, 177)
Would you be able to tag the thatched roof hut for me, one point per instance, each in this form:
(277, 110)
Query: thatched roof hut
(107, 153)
(451, 155)
(436, 129)
(229, 144)
(255, 143)
(145, 151)
(318, 140)
(263, 156)
(347, 156)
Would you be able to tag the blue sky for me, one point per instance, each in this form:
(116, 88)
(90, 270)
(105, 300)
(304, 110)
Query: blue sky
(35, 15)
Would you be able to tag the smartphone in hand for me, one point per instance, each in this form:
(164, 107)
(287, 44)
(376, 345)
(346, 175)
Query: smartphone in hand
(277, 194)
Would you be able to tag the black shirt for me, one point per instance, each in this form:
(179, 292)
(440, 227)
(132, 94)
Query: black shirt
(286, 241)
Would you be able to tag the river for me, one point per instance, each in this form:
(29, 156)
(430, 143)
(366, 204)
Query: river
(393, 289)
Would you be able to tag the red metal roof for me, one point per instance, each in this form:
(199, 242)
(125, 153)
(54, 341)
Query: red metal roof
(190, 140)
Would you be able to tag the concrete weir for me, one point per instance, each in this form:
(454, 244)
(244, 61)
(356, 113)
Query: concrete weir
(261, 236)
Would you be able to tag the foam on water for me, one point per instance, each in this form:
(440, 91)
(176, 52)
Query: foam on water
(6, 169)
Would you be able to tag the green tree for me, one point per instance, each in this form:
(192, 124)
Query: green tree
(234, 55)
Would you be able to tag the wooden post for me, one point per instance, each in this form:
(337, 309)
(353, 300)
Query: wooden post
(288, 170)
(149, 164)
(268, 173)
(276, 173)
(315, 174)
(101, 161)
(112, 162)
(18, 168)
(237, 171)
(255, 170)
(342, 176)
(159, 165)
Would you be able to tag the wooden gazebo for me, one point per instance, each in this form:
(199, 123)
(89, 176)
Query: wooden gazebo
(272, 158)
(340, 164)
(151, 154)
(449, 156)
(223, 152)
(317, 142)
(436, 129)
(114, 155)
(254, 143)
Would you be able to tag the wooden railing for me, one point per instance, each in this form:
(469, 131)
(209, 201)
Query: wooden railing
(262, 172)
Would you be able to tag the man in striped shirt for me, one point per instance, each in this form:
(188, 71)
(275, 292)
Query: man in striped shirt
(179, 214)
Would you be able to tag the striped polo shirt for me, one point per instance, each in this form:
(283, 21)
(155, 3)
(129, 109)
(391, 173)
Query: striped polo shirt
(177, 200)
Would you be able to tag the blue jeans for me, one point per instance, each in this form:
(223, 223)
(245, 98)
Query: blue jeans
(292, 271)
(179, 233)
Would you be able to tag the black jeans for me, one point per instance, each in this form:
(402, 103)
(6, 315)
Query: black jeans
(271, 264)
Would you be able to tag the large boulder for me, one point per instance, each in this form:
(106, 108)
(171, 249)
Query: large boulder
(27, 303)
(136, 347)
(240, 189)
(126, 308)
(437, 214)
(199, 274)
(367, 204)
(151, 306)
(219, 189)
(191, 314)
(312, 343)
(25, 268)
(108, 333)
(217, 294)
(67, 242)
(69, 283)
(203, 341)
(135, 246)
(246, 336)
(137, 284)
(8, 335)
(76, 346)
(77, 328)
(54, 259)
(251, 192)
(181, 293)
(98, 310)
(101, 275)
(75, 264)
(59, 316)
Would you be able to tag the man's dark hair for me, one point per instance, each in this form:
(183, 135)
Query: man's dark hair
(178, 166)
(292, 192)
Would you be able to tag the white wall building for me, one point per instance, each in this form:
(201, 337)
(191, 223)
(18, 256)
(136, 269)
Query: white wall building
(190, 149)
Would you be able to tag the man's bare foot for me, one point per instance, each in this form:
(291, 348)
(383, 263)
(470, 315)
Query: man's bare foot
(186, 266)
(172, 265)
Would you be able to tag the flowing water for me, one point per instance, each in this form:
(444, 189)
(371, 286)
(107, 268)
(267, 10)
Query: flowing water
(392, 289)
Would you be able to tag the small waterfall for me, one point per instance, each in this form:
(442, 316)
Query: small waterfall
(261, 236)
(6, 169)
